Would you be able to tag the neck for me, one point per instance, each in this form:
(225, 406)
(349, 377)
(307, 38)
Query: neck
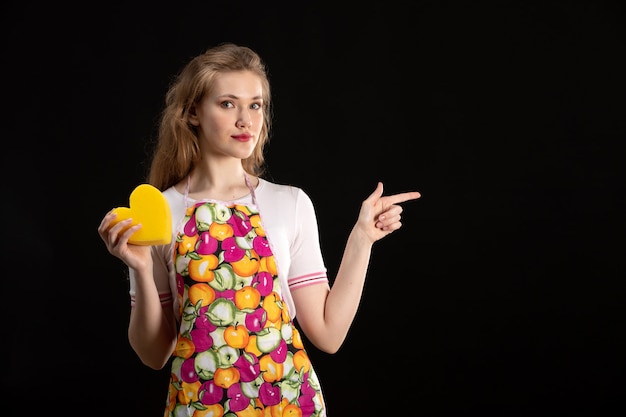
(219, 183)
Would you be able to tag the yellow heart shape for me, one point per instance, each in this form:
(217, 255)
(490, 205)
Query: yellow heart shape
(149, 207)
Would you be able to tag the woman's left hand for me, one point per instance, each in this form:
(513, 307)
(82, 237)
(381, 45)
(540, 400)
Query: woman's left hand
(379, 216)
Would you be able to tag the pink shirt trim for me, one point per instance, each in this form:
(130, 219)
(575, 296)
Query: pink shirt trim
(165, 297)
(308, 279)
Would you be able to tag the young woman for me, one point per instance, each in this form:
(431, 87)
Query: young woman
(218, 303)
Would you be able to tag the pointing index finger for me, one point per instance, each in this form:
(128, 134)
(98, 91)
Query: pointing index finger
(402, 197)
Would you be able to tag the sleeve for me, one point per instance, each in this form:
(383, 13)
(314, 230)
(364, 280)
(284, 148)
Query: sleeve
(161, 272)
(307, 264)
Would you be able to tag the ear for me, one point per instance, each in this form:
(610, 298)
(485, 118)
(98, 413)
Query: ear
(192, 117)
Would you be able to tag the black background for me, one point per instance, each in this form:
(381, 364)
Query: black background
(503, 293)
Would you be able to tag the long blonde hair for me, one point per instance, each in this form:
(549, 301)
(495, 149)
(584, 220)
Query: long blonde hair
(177, 150)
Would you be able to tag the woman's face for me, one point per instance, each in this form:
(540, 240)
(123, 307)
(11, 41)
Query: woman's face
(230, 118)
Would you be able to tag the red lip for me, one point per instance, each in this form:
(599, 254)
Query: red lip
(244, 137)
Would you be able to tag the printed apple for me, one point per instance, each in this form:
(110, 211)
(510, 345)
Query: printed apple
(237, 400)
(182, 264)
(307, 389)
(210, 393)
(226, 376)
(228, 355)
(189, 312)
(248, 265)
(220, 231)
(221, 212)
(263, 282)
(247, 241)
(286, 331)
(218, 337)
(177, 363)
(204, 217)
(207, 244)
(240, 223)
(290, 389)
(236, 336)
(206, 363)
(240, 315)
(232, 251)
(224, 278)
(186, 323)
(261, 246)
(241, 281)
(201, 339)
(307, 405)
(268, 339)
(280, 353)
(269, 394)
(270, 370)
(180, 410)
(221, 312)
(251, 389)
(248, 366)
(188, 370)
(289, 371)
(256, 320)
(202, 321)
(190, 228)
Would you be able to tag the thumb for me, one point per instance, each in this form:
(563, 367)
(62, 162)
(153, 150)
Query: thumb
(378, 192)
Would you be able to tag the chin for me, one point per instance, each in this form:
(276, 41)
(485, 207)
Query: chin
(243, 155)
(246, 151)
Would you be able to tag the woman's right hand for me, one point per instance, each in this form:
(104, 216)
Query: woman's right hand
(116, 240)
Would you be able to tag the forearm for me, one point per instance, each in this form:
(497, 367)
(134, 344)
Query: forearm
(151, 330)
(345, 294)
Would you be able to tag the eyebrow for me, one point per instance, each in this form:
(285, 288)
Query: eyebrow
(237, 98)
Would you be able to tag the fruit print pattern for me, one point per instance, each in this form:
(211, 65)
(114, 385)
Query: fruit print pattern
(238, 353)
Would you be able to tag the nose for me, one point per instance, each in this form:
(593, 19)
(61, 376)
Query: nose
(244, 120)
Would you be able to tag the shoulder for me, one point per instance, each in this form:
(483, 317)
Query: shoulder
(276, 190)
(172, 195)
(176, 201)
(286, 202)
